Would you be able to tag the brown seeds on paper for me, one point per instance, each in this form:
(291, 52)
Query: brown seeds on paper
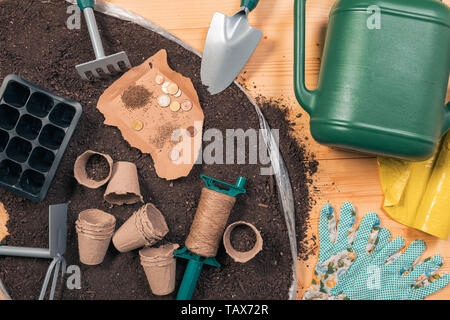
(146, 127)
(186, 105)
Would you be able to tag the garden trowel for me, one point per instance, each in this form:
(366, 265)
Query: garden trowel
(229, 44)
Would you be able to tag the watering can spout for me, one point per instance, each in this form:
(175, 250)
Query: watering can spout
(304, 96)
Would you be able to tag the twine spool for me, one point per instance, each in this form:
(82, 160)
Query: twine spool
(209, 222)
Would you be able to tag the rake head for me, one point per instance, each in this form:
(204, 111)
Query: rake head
(103, 66)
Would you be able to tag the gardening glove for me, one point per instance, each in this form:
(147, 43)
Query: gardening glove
(340, 248)
(391, 273)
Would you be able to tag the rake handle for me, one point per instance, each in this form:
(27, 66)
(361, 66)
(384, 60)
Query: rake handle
(249, 4)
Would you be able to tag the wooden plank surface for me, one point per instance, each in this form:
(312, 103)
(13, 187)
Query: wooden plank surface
(342, 176)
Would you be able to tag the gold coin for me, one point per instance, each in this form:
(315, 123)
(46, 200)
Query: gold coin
(172, 88)
(159, 79)
(186, 105)
(175, 106)
(137, 125)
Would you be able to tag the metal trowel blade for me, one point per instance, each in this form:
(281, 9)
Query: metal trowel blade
(229, 45)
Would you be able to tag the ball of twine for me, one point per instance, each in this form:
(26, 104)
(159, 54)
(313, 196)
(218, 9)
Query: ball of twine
(209, 222)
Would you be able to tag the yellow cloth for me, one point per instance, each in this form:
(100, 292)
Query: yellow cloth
(417, 194)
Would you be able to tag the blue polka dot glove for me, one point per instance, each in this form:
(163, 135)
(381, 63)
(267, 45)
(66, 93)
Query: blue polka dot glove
(392, 273)
(341, 247)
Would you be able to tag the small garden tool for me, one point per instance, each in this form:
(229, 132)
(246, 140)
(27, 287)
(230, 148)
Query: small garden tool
(57, 247)
(101, 62)
(196, 261)
(341, 246)
(229, 44)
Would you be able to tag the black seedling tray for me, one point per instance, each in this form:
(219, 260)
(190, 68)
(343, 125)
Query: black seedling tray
(35, 129)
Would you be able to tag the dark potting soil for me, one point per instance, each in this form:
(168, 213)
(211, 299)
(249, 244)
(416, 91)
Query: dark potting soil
(97, 168)
(242, 238)
(37, 45)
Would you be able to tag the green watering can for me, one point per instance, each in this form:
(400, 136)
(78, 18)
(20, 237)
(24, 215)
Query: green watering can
(383, 77)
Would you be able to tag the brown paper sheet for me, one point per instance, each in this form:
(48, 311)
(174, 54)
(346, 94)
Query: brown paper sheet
(159, 123)
(240, 256)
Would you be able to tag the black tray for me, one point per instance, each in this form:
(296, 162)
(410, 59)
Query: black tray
(35, 129)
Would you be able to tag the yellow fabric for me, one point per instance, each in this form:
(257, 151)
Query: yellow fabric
(417, 194)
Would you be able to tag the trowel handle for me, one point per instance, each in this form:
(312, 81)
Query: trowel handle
(446, 119)
(88, 9)
(250, 4)
(83, 4)
(304, 96)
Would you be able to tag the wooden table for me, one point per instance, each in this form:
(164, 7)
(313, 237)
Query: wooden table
(342, 176)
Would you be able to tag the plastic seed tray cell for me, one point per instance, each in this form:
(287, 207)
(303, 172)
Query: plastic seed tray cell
(35, 129)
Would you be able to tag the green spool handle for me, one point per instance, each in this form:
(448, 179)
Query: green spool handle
(305, 96)
(249, 4)
(83, 4)
(196, 262)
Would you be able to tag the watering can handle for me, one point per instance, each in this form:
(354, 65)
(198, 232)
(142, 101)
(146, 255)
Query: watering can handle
(446, 118)
(304, 96)
(249, 4)
(83, 4)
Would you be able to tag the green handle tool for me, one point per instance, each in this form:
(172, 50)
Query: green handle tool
(196, 261)
(249, 4)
